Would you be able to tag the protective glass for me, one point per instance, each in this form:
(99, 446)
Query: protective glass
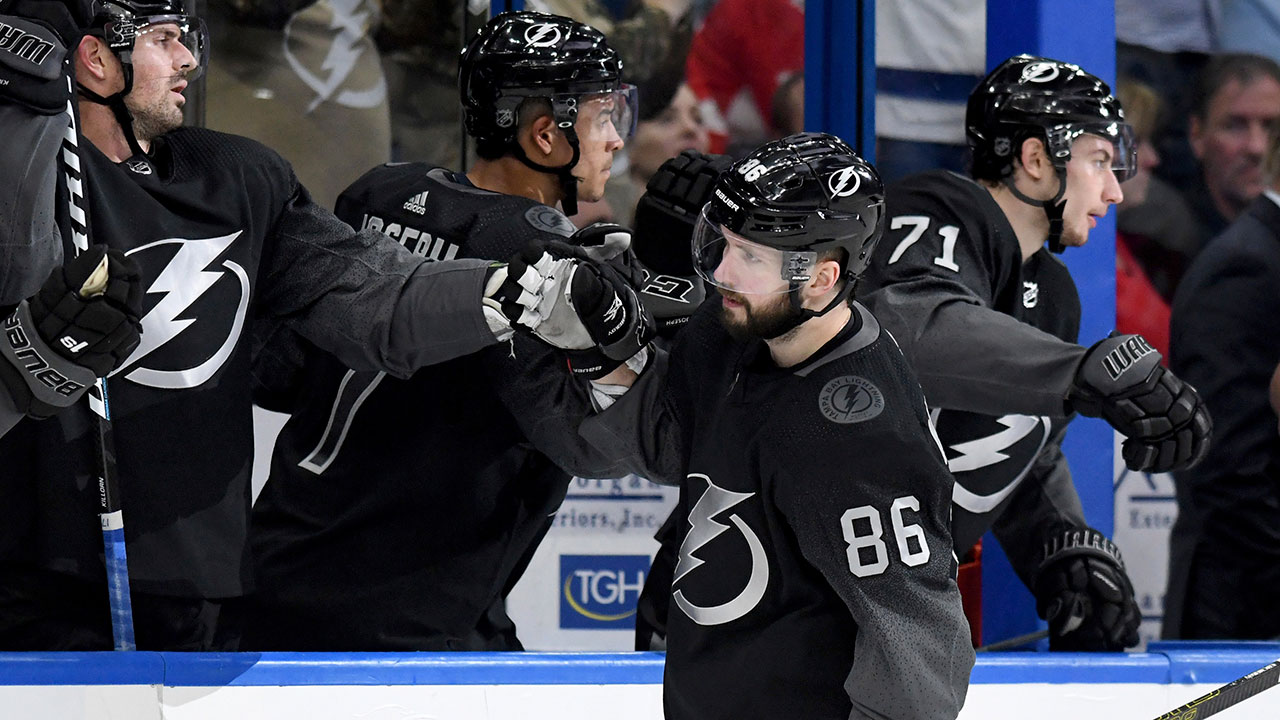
(165, 32)
(732, 262)
(1124, 156)
(618, 109)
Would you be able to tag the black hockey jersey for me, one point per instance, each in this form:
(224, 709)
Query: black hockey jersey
(816, 577)
(225, 238)
(994, 341)
(399, 513)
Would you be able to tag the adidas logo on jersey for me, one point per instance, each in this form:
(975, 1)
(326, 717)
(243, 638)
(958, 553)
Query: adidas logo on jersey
(417, 203)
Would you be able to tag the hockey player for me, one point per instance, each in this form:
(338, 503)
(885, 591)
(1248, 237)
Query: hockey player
(816, 577)
(224, 237)
(399, 513)
(988, 317)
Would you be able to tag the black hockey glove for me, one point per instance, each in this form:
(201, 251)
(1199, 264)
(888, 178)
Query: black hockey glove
(1166, 425)
(571, 299)
(1082, 590)
(81, 325)
(38, 36)
(668, 210)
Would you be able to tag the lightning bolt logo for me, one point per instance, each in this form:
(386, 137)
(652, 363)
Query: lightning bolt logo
(989, 452)
(183, 281)
(349, 42)
(542, 35)
(703, 528)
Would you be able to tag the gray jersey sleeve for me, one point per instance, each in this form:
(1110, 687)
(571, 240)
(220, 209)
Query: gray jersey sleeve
(642, 428)
(30, 242)
(549, 404)
(366, 299)
(969, 356)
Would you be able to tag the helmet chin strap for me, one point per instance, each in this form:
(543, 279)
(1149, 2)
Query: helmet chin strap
(565, 113)
(799, 313)
(116, 103)
(1053, 208)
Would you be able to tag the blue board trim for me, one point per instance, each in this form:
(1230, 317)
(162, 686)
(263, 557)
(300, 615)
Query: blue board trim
(1184, 663)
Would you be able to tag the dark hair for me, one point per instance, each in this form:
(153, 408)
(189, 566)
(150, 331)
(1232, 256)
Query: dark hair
(1222, 69)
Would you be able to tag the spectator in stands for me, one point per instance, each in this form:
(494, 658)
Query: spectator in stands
(1224, 557)
(1235, 104)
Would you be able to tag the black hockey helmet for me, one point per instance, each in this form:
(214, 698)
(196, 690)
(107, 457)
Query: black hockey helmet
(1036, 97)
(801, 195)
(520, 55)
(119, 23)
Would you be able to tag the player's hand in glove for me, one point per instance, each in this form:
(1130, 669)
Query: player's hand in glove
(669, 208)
(1082, 590)
(573, 298)
(81, 325)
(1166, 424)
(40, 34)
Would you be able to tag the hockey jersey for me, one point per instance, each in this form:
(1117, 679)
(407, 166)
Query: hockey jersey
(399, 512)
(993, 339)
(226, 239)
(815, 578)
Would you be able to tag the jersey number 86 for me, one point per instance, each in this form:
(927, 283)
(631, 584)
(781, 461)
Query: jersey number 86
(912, 546)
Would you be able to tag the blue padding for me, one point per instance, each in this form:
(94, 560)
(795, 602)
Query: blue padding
(926, 85)
(81, 668)
(218, 669)
(1059, 668)
(1216, 667)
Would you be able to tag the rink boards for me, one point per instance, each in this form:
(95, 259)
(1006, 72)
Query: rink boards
(560, 686)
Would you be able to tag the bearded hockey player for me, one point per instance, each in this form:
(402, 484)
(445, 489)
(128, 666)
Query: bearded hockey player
(988, 317)
(223, 237)
(399, 513)
(815, 577)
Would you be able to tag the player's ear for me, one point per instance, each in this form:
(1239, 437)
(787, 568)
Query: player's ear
(824, 279)
(94, 63)
(1033, 158)
(541, 134)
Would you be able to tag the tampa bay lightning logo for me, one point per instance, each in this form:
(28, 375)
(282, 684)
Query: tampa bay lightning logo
(542, 35)
(988, 455)
(196, 312)
(844, 182)
(1041, 72)
(850, 399)
(703, 528)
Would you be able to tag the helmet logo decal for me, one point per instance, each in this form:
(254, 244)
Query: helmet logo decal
(1040, 72)
(542, 35)
(844, 182)
(505, 118)
(1002, 146)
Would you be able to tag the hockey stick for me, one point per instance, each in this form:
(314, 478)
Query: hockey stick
(1014, 642)
(1227, 695)
(109, 515)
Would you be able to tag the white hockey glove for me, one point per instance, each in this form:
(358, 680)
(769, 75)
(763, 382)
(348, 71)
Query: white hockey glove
(572, 298)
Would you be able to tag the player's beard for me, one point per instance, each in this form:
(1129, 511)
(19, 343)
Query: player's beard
(153, 119)
(768, 319)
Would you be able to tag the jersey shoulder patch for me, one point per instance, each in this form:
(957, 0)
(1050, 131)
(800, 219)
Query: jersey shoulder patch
(549, 220)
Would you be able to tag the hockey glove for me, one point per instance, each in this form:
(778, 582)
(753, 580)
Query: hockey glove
(668, 211)
(81, 325)
(1082, 590)
(1166, 424)
(586, 308)
(38, 36)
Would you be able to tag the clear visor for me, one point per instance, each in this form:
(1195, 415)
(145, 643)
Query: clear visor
(731, 262)
(182, 38)
(1124, 146)
(602, 115)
